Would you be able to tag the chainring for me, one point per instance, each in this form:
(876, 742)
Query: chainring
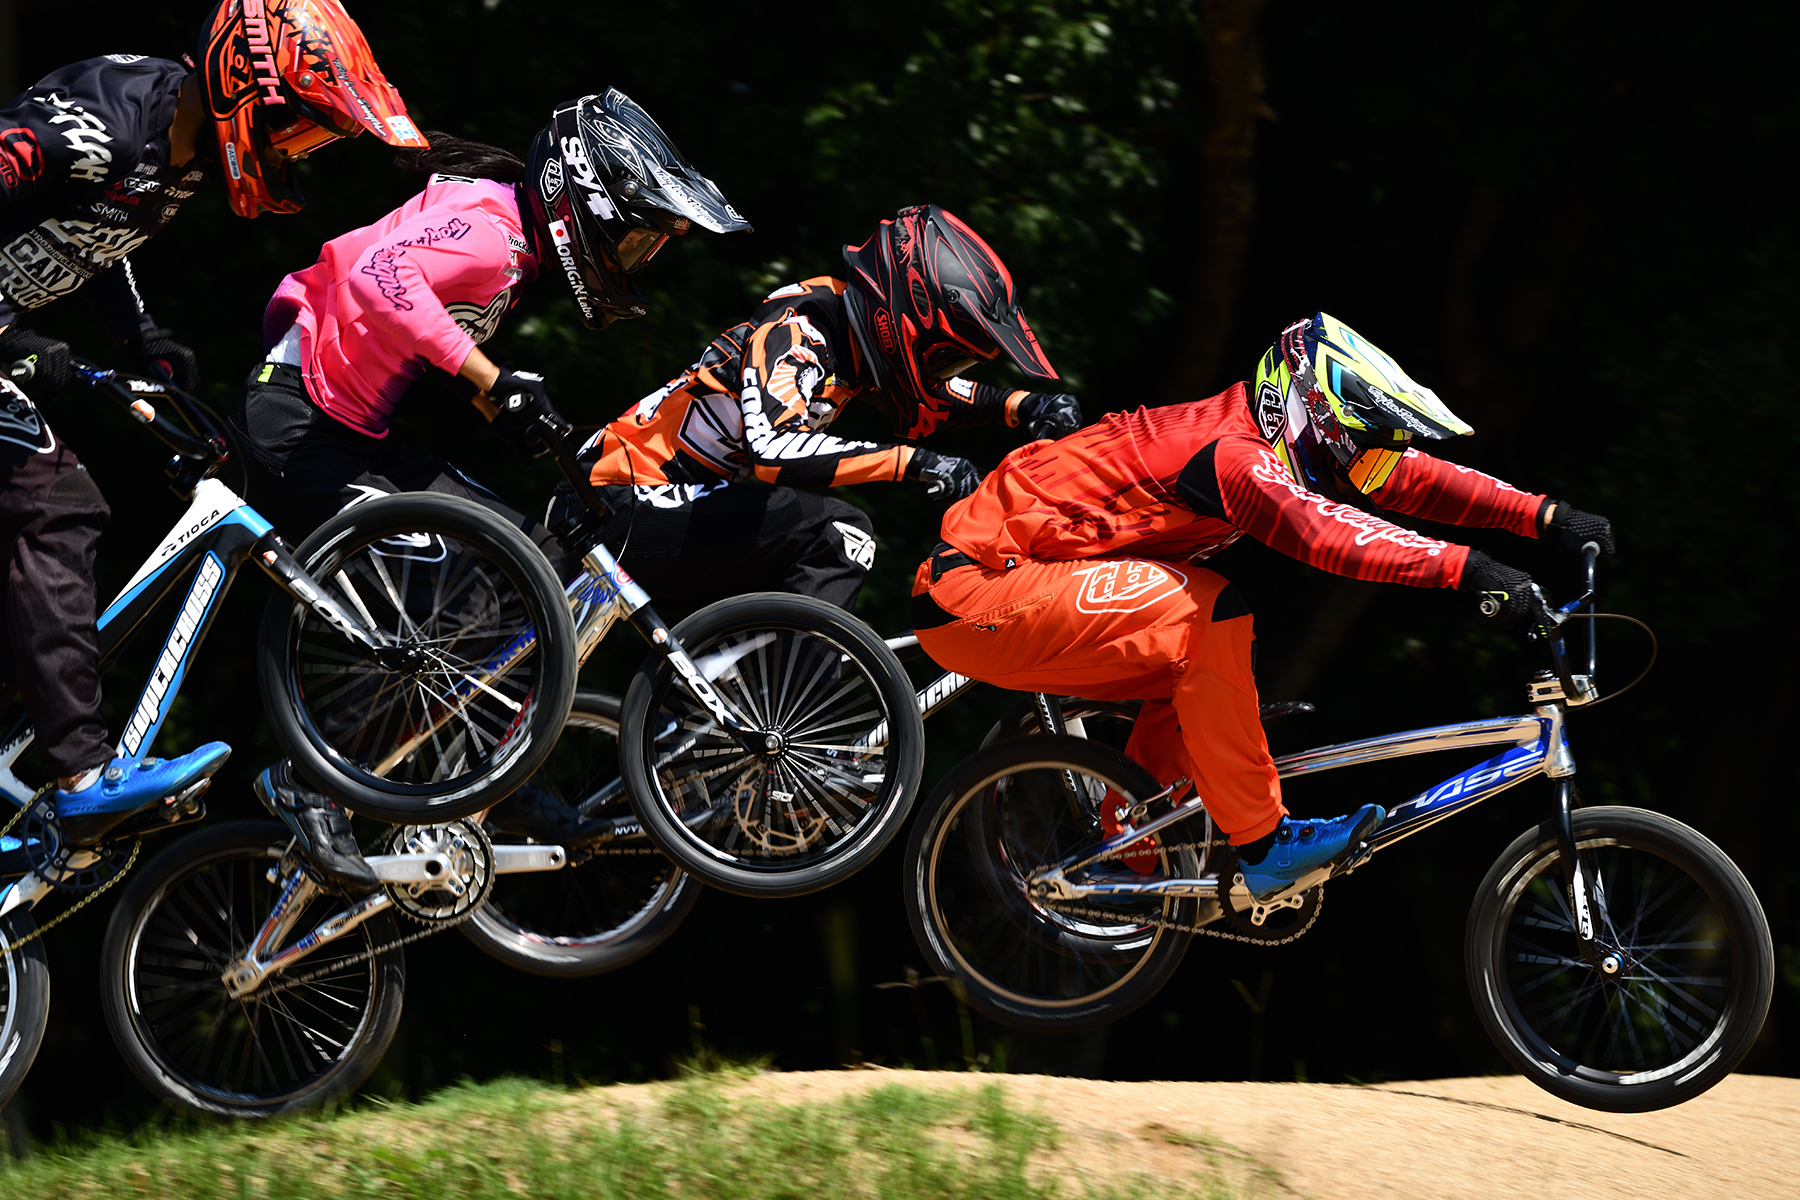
(1279, 922)
(469, 882)
(48, 853)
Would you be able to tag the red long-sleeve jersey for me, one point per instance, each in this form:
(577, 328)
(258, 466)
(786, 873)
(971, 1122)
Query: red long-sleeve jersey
(1187, 480)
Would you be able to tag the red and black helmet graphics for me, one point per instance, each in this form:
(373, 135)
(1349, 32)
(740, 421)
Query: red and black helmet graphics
(607, 188)
(928, 298)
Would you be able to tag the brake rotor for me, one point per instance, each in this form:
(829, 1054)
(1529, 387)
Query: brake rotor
(754, 815)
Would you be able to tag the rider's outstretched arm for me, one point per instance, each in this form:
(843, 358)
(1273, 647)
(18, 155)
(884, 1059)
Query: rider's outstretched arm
(1435, 490)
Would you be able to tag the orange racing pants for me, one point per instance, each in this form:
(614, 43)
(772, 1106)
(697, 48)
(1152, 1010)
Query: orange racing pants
(1173, 635)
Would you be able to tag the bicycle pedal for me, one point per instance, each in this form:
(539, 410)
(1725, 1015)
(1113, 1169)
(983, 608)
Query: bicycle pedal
(1356, 858)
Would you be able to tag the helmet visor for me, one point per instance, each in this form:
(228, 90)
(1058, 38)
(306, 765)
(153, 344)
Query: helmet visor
(638, 247)
(1370, 467)
(301, 138)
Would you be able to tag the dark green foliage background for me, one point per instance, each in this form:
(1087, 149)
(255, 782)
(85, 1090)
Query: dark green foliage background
(1565, 218)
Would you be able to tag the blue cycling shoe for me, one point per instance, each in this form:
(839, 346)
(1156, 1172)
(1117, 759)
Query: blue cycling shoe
(1301, 847)
(130, 785)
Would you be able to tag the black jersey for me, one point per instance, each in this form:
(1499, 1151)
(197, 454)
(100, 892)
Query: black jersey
(84, 180)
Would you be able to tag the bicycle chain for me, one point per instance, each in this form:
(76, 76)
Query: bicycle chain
(294, 981)
(1080, 911)
(80, 904)
(1075, 910)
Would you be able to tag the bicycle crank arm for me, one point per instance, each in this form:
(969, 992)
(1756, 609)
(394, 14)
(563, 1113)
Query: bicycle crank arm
(518, 860)
(409, 868)
(249, 973)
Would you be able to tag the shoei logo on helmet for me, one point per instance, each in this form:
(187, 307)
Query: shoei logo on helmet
(262, 54)
(1271, 410)
(884, 329)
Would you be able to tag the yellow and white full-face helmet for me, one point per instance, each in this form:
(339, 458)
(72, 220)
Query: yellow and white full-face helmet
(1339, 411)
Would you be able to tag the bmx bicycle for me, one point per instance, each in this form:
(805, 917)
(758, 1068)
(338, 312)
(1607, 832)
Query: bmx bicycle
(1616, 957)
(488, 583)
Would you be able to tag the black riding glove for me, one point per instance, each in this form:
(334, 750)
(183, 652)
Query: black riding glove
(946, 477)
(1050, 414)
(39, 365)
(156, 354)
(526, 417)
(1571, 529)
(1505, 593)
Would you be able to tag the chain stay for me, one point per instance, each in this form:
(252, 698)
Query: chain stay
(1075, 910)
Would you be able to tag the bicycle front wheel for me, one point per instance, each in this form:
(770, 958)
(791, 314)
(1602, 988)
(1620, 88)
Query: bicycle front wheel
(1684, 972)
(614, 902)
(285, 1046)
(24, 999)
(475, 673)
(1002, 814)
(841, 747)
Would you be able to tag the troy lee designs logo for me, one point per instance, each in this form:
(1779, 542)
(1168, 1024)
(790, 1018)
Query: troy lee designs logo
(1369, 527)
(384, 264)
(1127, 585)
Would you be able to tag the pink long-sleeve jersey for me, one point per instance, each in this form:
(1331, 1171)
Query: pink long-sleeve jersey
(419, 288)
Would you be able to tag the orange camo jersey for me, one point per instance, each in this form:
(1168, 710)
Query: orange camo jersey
(1186, 480)
(759, 399)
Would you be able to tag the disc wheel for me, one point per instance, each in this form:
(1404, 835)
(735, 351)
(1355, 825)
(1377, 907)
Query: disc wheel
(24, 999)
(475, 672)
(1683, 974)
(815, 801)
(613, 903)
(188, 916)
(996, 819)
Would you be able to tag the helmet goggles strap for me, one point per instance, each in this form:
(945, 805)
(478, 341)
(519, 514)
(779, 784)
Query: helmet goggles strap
(1370, 467)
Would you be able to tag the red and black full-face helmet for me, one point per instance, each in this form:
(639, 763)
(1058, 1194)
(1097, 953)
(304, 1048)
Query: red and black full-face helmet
(606, 189)
(928, 299)
(284, 77)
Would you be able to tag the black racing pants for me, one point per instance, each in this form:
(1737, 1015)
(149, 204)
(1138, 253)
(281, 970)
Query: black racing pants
(690, 545)
(303, 466)
(51, 515)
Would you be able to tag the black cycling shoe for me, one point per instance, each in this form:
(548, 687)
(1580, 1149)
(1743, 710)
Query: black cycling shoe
(322, 826)
(535, 813)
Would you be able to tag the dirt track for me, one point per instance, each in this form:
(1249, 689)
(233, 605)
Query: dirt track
(1485, 1139)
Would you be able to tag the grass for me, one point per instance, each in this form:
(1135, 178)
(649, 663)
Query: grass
(697, 1139)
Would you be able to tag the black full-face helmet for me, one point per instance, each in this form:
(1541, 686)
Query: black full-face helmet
(607, 188)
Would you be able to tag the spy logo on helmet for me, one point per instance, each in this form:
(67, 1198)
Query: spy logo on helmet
(1271, 411)
(1127, 585)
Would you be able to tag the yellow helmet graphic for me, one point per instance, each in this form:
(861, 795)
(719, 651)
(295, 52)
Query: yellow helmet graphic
(1339, 411)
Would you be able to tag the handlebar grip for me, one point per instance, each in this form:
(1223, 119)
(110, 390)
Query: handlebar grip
(21, 371)
(1590, 553)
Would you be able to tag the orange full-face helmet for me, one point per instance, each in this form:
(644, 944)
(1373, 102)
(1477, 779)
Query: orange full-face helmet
(283, 77)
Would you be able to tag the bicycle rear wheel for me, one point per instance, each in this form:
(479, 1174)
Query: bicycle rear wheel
(1685, 974)
(821, 801)
(478, 664)
(613, 903)
(999, 816)
(286, 1046)
(24, 1000)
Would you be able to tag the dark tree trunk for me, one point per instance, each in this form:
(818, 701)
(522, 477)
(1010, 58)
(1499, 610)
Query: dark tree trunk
(1227, 191)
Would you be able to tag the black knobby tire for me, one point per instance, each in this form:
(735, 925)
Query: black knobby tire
(997, 816)
(1693, 966)
(449, 732)
(24, 1000)
(611, 905)
(821, 806)
(179, 923)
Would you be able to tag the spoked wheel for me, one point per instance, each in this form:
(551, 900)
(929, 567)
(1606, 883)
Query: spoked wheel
(1039, 964)
(615, 901)
(473, 680)
(1684, 974)
(24, 999)
(834, 776)
(187, 917)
